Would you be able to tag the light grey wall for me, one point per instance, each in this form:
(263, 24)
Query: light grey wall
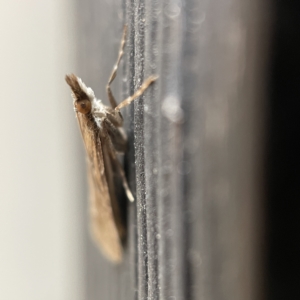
(40, 187)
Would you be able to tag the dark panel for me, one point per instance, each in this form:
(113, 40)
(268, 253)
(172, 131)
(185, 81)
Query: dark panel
(284, 163)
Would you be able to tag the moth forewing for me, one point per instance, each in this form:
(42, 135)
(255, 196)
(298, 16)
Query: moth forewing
(106, 222)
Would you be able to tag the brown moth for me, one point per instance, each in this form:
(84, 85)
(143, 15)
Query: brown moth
(103, 137)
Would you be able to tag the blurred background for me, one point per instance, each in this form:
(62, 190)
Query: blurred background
(41, 191)
(217, 196)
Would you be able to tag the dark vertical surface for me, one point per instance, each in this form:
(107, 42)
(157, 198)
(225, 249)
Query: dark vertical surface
(195, 144)
(283, 205)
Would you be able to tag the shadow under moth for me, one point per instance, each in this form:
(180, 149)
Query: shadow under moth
(103, 137)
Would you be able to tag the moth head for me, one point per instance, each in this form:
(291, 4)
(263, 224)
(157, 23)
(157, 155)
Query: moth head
(82, 95)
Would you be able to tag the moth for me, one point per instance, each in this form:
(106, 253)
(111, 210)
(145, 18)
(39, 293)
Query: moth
(104, 137)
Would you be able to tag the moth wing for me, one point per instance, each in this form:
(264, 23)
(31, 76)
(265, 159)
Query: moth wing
(113, 180)
(103, 225)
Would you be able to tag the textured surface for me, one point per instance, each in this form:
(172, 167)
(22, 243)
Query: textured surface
(195, 146)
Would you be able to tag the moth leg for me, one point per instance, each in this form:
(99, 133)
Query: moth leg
(138, 93)
(115, 117)
(112, 154)
(113, 75)
(116, 134)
